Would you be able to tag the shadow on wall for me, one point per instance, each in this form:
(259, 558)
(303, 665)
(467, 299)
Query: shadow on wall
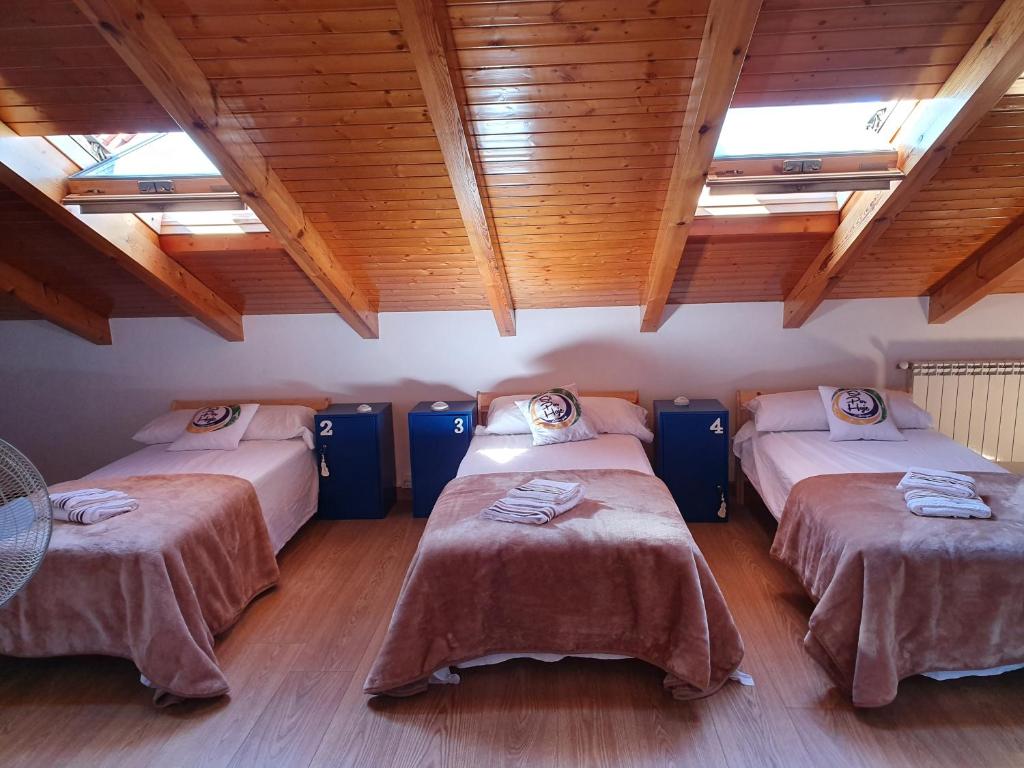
(89, 422)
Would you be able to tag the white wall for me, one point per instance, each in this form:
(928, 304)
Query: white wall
(71, 406)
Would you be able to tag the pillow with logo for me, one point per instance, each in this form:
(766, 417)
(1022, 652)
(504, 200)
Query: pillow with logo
(858, 414)
(215, 427)
(802, 411)
(556, 416)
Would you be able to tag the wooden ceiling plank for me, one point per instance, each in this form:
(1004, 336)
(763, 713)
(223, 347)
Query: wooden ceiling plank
(727, 34)
(150, 48)
(985, 272)
(55, 306)
(926, 140)
(428, 34)
(37, 171)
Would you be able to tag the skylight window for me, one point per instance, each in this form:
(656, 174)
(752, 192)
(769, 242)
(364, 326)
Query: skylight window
(156, 154)
(163, 177)
(809, 129)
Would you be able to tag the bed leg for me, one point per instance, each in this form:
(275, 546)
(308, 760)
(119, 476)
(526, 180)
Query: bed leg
(741, 488)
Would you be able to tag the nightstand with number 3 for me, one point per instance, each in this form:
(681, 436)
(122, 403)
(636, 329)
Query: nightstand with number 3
(438, 441)
(692, 457)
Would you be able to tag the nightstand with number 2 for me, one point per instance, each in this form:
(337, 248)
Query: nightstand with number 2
(355, 456)
(692, 457)
(438, 441)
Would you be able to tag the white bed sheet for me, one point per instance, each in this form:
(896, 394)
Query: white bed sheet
(776, 461)
(489, 454)
(283, 472)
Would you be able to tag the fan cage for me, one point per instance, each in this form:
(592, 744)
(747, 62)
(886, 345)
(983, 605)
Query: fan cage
(25, 520)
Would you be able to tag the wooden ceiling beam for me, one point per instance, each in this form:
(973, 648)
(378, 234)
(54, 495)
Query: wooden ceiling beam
(141, 36)
(925, 141)
(59, 308)
(427, 30)
(727, 32)
(985, 271)
(34, 169)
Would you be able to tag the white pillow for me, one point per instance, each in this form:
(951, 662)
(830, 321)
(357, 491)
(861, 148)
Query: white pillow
(906, 413)
(613, 415)
(556, 416)
(803, 411)
(800, 411)
(504, 417)
(858, 414)
(282, 422)
(165, 428)
(215, 427)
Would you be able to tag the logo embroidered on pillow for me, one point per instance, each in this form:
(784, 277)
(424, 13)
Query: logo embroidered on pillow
(555, 409)
(860, 407)
(214, 417)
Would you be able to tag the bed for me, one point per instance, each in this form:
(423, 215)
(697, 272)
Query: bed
(158, 584)
(895, 595)
(617, 577)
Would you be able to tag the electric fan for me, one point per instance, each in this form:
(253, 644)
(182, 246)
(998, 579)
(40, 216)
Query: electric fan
(25, 520)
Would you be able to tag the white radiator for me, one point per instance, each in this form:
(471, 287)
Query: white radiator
(979, 404)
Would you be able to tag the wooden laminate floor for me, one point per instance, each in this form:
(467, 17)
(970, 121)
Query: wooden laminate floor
(297, 660)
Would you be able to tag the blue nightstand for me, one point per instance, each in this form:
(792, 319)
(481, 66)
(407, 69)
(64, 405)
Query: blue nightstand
(438, 441)
(691, 444)
(355, 455)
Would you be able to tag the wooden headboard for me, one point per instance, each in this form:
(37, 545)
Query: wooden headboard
(744, 396)
(484, 399)
(316, 403)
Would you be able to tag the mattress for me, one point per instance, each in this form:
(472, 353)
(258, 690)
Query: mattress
(490, 454)
(776, 461)
(283, 472)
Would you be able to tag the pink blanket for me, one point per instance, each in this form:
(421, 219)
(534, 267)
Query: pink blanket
(618, 574)
(154, 585)
(898, 595)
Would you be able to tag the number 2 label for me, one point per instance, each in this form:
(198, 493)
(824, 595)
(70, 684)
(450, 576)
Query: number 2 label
(460, 426)
(716, 427)
(326, 428)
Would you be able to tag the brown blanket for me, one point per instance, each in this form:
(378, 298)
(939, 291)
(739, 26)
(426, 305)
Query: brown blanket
(154, 585)
(618, 574)
(898, 595)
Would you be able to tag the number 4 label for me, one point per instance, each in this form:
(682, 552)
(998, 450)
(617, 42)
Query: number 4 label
(716, 427)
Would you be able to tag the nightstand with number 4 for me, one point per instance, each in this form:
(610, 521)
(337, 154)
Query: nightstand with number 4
(439, 435)
(692, 457)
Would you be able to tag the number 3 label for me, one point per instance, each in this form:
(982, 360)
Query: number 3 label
(460, 426)
(716, 427)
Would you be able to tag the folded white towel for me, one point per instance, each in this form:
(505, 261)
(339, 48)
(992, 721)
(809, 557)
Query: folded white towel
(547, 490)
(932, 504)
(531, 506)
(91, 505)
(948, 483)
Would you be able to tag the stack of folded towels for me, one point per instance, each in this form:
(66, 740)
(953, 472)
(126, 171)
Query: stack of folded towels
(537, 502)
(936, 493)
(91, 505)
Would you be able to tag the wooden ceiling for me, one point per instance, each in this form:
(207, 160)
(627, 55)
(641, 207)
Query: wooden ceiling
(573, 110)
